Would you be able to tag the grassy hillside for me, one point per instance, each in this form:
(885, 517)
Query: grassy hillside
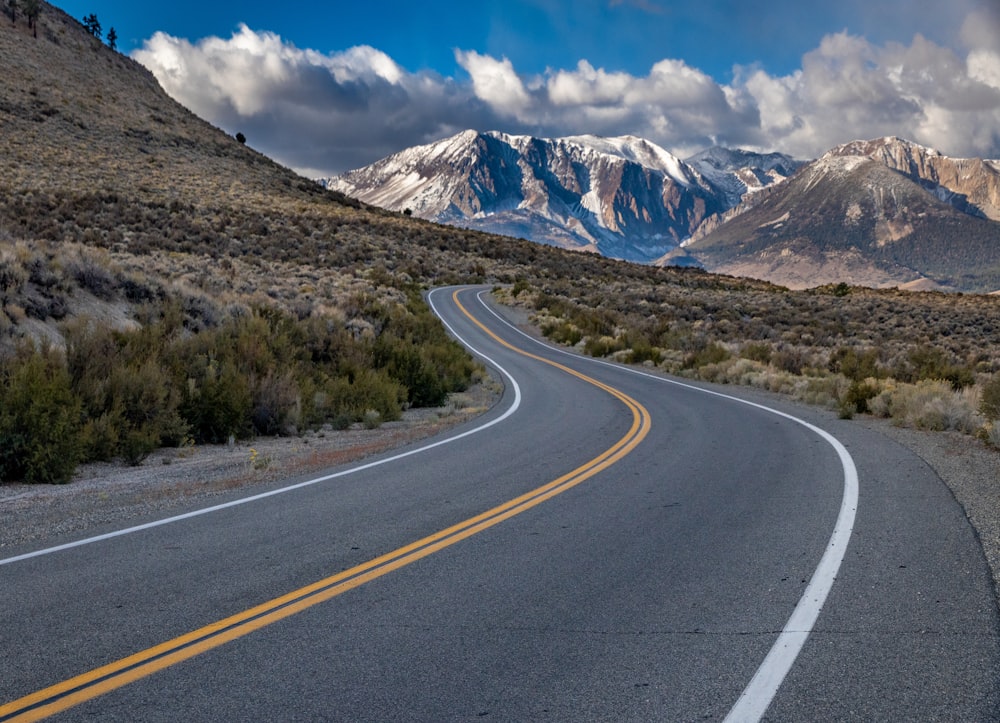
(160, 283)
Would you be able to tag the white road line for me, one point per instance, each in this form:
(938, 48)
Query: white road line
(245, 500)
(757, 696)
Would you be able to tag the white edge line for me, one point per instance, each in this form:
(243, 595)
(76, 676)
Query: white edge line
(760, 691)
(245, 500)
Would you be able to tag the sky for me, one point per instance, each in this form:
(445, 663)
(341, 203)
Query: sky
(324, 87)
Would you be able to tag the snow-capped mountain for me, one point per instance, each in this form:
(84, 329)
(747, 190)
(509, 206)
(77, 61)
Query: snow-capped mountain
(883, 212)
(622, 197)
(971, 185)
(737, 172)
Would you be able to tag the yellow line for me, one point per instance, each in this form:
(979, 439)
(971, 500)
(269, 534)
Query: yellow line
(102, 680)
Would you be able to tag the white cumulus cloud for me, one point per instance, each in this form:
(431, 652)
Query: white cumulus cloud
(325, 113)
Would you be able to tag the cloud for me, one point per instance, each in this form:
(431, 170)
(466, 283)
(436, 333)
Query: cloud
(325, 113)
(495, 82)
(849, 88)
(317, 113)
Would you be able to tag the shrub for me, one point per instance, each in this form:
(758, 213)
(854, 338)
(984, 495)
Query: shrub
(856, 366)
(39, 419)
(928, 363)
(216, 402)
(562, 333)
(368, 389)
(276, 407)
(601, 346)
(989, 405)
(712, 353)
(930, 404)
(855, 399)
(758, 351)
(993, 434)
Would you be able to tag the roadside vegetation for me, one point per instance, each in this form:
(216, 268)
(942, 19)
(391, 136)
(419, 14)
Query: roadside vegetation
(924, 360)
(134, 364)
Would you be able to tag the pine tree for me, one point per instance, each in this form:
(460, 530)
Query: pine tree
(112, 39)
(93, 25)
(32, 9)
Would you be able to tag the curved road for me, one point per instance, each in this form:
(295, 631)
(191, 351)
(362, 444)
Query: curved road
(602, 545)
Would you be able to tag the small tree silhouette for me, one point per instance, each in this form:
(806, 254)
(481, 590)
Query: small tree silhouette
(112, 39)
(32, 9)
(241, 138)
(93, 25)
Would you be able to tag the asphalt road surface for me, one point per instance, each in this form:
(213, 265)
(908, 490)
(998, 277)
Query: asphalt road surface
(604, 544)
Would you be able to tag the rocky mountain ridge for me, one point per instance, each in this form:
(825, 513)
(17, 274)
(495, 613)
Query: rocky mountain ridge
(880, 212)
(622, 197)
(883, 212)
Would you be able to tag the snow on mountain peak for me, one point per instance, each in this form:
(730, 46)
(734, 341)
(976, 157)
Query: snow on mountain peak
(637, 150)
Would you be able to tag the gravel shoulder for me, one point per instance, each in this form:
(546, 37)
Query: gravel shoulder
(969, 468)
(170, 479)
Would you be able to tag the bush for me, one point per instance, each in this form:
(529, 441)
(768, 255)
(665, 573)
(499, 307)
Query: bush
(276, 407)
(712, 354)
(929, 404)
(929, 363)
(993, 434)
(757, 351)
(856, 366)
(39, 419)
(216, 402)
(989, 405)
(855, 399)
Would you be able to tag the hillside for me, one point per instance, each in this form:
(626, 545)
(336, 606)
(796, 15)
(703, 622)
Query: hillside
(191, 288)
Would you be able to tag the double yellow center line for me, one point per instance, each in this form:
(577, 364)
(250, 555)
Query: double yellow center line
(101, 680)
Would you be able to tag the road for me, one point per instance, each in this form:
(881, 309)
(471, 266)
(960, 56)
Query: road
(604, 544)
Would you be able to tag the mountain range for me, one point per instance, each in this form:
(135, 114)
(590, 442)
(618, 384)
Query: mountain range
(882, 212)
(622, 197)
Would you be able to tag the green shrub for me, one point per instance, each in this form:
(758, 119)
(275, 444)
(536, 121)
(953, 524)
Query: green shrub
(930, 363)
(562, 333)
(856, 366)
(855, 399)
(39, 419)
(368, 389)
(989, 405)
(601, 346)
(758, 351)
(712, 353)
(130, 401)
(216, 402)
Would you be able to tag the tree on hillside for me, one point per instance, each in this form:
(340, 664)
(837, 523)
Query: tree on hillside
(32, 9)
(93, 25)
(13, 12)
(112, 39)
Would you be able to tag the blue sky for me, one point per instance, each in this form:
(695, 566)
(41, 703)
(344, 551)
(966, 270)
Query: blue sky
(325, 86)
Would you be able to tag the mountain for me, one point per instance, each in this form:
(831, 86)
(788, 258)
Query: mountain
(884, 212)
(621, 197)
(737, 173)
